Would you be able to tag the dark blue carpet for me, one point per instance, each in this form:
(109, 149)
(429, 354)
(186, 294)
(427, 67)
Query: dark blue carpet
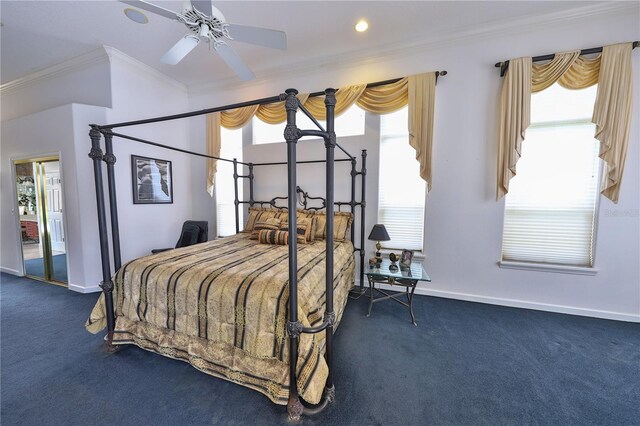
(465, 364)
(35, 267)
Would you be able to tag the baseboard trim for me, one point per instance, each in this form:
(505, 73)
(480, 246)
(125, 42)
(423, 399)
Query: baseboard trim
(10, 271)
(79, 289)
(514, 303)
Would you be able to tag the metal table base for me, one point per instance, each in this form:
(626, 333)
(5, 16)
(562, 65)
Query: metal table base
(408, 284)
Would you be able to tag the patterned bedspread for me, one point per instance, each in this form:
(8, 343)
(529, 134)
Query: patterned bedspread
(222, 306)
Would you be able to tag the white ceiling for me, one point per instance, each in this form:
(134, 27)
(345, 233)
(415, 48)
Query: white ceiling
(37, 34)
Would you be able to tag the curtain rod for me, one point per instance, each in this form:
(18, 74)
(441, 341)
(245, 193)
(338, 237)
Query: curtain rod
(263, 101)
(504, 66)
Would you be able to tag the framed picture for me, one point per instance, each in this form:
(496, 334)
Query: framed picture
(152, 180)
(405, 259)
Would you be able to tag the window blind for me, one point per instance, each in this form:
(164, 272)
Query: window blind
(550, 210)
(231, 147)
(401, 191)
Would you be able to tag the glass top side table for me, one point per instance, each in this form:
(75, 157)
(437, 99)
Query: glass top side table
(403, 277)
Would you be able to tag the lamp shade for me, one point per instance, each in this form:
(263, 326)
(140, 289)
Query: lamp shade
(379, 233)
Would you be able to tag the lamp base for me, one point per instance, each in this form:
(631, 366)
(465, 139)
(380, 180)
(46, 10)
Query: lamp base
(378, 254)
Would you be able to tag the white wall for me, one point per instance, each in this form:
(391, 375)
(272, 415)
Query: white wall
(135, 91)
(463, 223)
(140, 93)
(53, 131)
(84, 79)
(204, 206)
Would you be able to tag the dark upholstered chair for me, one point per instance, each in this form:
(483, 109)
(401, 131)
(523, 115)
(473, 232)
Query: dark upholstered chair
(193, 232)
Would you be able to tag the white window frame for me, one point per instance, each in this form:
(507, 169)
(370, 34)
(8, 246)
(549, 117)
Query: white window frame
(553, 267)
(222, 165)
(418, 251)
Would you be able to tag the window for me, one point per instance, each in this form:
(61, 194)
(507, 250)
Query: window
(231, 148)
(350, 123)
(401, 190)
(550, 209)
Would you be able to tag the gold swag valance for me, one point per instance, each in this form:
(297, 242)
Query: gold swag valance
(417, 91)
(611, 112)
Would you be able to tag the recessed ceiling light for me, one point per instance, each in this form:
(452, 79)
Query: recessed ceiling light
(362, 26)
(136, 16)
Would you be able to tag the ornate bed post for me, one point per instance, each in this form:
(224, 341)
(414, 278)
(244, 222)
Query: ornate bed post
(110, 159)
(354, 174)
(251, 201)
(363, 204)
(294, 328)
(107, 284)
(330, 316)
(236, 201)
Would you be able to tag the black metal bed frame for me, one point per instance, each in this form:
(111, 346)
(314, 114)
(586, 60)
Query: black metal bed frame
(292, 134)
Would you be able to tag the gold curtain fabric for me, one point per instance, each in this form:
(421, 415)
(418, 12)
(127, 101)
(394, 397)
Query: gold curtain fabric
(275, 113)
(345, 97)
(387, 98)
(421, 98)
(612, 109)
(569, 69)
(213, 148)
(612, 114)
(515, 117)
(236, 118)
(582, 74)
(417, 91)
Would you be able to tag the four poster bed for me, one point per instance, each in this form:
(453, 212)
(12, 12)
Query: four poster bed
(228, 306)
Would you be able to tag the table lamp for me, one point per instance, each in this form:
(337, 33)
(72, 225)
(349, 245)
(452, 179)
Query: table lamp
(379, 233)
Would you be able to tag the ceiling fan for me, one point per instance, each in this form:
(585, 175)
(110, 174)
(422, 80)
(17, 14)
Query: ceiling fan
(205, 22)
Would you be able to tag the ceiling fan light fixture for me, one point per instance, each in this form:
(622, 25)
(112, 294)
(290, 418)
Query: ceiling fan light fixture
(136, 16)
(204, 31)
(361, 26)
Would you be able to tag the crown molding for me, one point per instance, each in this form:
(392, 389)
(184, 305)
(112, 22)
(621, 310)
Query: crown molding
(116, 56)
(86, 60)
(103, 54)
(389, 51)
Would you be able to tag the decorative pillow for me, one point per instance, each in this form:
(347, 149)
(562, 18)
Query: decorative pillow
(341, 223)
(261, 214)
(271, 223)
(269, 236)
(314, 226)
(303, 229)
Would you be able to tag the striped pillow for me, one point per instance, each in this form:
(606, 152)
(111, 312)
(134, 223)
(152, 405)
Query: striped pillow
(304, 227)
(341, 223)
(261, 214)
(271, 223)
(269, 236)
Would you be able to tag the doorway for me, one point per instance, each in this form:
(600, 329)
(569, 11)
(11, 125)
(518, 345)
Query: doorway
(41, 223)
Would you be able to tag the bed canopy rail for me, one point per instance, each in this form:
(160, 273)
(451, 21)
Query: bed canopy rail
(263, 101)
(292, 135)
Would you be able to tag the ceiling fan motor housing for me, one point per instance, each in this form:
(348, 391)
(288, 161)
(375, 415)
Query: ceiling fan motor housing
(210, 27)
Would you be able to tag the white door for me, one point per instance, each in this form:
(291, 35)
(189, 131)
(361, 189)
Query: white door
(54, 207)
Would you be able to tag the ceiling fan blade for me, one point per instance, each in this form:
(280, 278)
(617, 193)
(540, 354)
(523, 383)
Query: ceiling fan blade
(261, 36)
(150, 8)
(203, 6)
(234, 61)
(180, 49)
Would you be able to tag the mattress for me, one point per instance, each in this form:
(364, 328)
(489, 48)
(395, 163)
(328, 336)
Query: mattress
(222, 306)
